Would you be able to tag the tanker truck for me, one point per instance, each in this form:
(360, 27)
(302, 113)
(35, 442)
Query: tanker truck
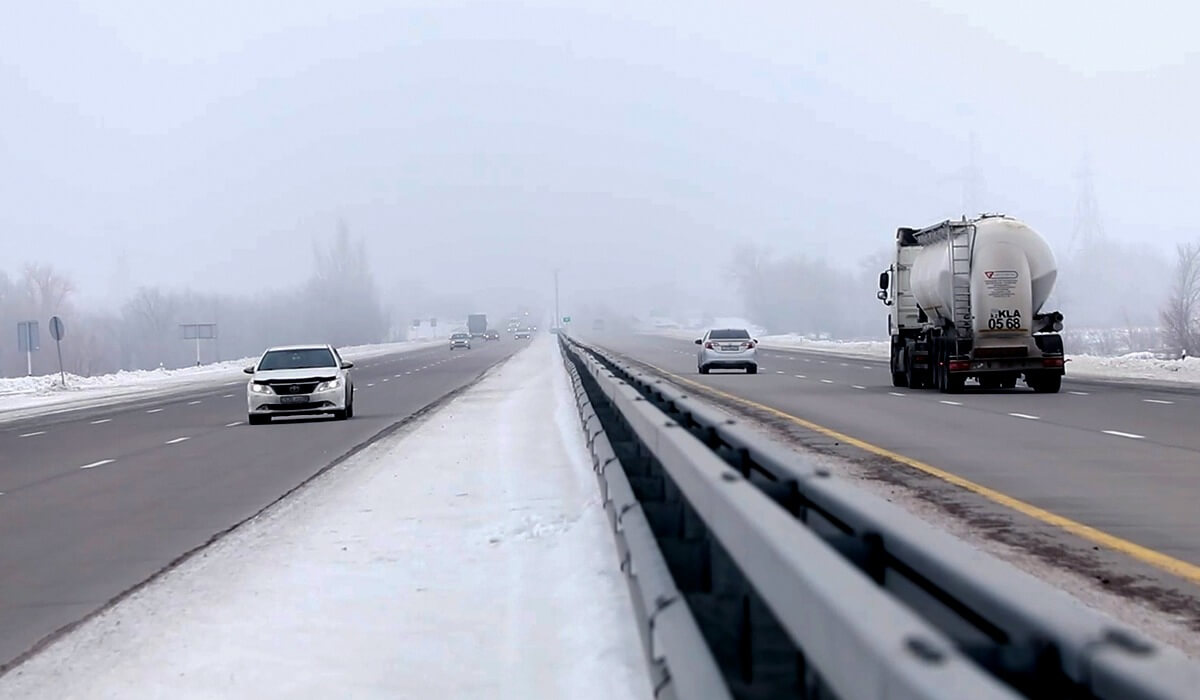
(965, 300)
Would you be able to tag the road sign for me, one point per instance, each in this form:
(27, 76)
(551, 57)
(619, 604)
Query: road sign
(27, 336)
(57, 331)
(198, 332)
(27, 342)
(566, 319)
(416, 323)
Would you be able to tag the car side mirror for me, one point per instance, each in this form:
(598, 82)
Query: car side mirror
(699, 340)
(883, 281)
(347, 365)
(249, 370)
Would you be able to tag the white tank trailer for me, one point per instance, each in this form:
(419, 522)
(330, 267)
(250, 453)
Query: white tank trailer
(965, 300)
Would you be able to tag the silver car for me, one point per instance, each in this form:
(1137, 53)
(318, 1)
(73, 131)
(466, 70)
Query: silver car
(727, 348)
(299, 380)
(460, 340)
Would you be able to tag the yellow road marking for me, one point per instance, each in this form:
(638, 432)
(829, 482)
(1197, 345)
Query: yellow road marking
(1154, 558)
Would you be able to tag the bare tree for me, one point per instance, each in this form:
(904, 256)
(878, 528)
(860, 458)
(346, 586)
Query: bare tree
(1179, 317)
(47, 290)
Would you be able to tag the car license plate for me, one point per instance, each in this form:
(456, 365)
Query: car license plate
(294, 399)
(731, 348)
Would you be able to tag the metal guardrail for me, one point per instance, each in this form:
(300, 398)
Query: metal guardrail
(803, 586)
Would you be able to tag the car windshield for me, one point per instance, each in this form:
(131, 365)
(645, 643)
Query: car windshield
(459, 336)
(297, 359)
(729, 334)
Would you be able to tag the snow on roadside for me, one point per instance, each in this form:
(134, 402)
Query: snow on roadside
(468, 558)
(1137, 365)
(26, 394)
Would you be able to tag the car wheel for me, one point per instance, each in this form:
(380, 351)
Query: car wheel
(752, 369)
(350, 408)
(257, 420)
(703, 369)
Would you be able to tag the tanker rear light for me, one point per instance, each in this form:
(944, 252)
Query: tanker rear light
(1053, 362)
(959, 365)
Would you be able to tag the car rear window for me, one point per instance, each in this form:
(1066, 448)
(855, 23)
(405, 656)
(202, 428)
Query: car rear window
(729, 334)
(297, 359)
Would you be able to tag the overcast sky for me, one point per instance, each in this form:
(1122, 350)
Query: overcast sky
(211, 142)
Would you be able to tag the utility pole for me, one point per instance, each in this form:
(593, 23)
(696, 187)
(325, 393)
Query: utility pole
(557, 315)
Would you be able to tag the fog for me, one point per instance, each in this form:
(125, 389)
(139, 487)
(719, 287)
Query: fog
(205, 151)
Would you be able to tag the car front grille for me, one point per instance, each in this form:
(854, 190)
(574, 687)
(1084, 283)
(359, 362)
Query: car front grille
(305, 386)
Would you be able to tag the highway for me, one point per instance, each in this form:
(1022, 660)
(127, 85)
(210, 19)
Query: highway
(95, 502)
(1120, 462)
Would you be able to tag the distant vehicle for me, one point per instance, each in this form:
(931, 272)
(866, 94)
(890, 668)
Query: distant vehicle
(299, 380)
(460, 340)
(477, 325)
(492, 334)
(727, 348)
(523, 334)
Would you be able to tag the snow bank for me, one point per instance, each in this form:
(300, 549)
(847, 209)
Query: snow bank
(469, 558)
(1137, 365)
(23, 396)
(872, 349)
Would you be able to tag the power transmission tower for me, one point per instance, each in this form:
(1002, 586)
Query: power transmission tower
(1088, 230)
(970, 178)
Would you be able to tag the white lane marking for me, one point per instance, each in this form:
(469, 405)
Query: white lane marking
(844, 364)
(408, 372)
(857, 386)
(824, 362)
(896, 393)
(176, 441)
(807, 360)
(867, 367)
(1118, 433)
(827, 381)
(193, 403)
(951, 403)
(370, 385)
(801, 376)
(101, 463)
(102, 421)
(1079, 393)
(1026, 416)
(228, 396)
(233, 424)
(1159, 401)
(778, 371)
(34, 434)
(386, 379)
(155, 410)
(398, 376)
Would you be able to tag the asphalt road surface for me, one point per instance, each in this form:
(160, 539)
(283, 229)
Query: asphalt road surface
(1121, 458)
(97, 501)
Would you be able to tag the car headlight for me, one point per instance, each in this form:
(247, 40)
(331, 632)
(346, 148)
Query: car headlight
(331, 384)
(260, 388)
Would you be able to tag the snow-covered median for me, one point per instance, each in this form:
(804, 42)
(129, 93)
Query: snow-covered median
(469, 558)
(24, 396)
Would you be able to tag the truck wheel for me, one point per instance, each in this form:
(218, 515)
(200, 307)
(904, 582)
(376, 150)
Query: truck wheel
(899, 379)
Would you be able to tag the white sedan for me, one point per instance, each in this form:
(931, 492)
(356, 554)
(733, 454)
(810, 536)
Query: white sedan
(727, 348)
(299, 380)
